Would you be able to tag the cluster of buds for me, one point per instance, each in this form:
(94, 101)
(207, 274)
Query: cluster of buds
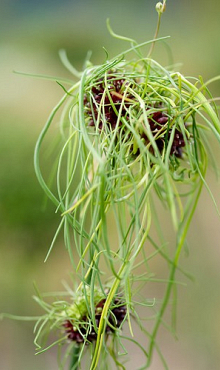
(99, 97)
(79, 326)
(109, 95)
(157, 121)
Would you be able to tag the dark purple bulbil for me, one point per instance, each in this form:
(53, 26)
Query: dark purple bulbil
(97, 96)
(156, 120)
(115, 319)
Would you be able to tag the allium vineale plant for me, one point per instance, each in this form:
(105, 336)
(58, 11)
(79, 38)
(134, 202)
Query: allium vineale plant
(132, 133)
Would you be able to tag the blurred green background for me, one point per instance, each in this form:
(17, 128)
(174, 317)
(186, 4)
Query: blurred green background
(31, 33)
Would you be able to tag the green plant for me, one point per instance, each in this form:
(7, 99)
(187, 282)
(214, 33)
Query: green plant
(132, 140)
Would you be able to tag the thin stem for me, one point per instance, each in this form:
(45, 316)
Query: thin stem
(172, 275)
(74, 358)
(160, 12)
(102, 324)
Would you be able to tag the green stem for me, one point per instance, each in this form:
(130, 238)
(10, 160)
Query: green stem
(39, 143)
(180, 244)
(160, 314)
(74, 358)
(163, 6)
(102, 324)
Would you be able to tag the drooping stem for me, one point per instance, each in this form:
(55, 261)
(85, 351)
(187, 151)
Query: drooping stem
(160, 313)
(183, 229)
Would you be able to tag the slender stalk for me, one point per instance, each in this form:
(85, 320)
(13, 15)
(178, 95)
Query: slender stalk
(102, 324)
(180, 244)
(74, 358)
(160, 9)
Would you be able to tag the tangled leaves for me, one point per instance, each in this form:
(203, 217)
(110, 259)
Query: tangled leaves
(130, 129)
(109, 104)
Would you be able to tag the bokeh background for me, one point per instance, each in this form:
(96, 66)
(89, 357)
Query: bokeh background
(31, 33)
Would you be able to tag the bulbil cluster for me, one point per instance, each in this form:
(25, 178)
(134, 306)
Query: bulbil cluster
(157, 121)
(110, 101)
(109, 96)
(85, 332)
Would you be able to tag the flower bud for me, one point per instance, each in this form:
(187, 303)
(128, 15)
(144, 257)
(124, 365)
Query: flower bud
(160, 7)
